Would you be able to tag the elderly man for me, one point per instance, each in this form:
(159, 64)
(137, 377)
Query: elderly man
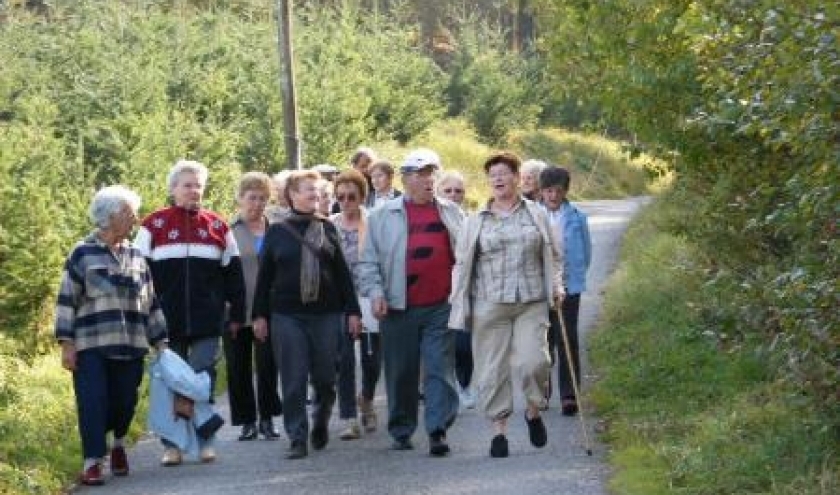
(197, 272)
(405, 270)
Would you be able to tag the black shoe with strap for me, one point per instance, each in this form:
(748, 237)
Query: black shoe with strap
(499, 446)
(536, 431)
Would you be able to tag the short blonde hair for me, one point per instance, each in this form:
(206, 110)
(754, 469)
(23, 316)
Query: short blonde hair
(254, 181)
(448, 176)
(294, 179)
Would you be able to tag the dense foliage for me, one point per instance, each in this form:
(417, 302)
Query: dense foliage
(741, 97)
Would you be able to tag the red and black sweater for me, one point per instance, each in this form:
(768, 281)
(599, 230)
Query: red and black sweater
(196, 270)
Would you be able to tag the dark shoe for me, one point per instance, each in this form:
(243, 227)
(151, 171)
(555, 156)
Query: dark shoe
(249, 432)
(297, 450)
(119, 462)
(437, 444)
(267, 430)
(402, 443)
(320, 436)
(92, 476)
(569, 406)
(499, 446)
(536, 431)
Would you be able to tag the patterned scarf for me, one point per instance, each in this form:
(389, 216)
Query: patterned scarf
(314, 249)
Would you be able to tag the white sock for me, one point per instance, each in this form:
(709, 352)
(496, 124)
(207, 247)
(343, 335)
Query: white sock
(118, 442)
(90, 462)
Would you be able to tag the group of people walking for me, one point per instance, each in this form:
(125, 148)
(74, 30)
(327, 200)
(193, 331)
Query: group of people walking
(452, 306)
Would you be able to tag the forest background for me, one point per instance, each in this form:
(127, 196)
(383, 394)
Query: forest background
(718, 355)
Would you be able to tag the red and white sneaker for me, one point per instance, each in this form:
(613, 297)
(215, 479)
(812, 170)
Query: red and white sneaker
(119, 462)
(92, 476)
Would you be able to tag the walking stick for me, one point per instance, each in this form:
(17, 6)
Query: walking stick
(575, 387)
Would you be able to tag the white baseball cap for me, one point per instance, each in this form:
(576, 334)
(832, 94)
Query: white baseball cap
(419, 159)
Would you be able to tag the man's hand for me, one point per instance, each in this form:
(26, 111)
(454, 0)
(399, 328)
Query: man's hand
(260, 329)
(379, 307)
(68, 355)
(233, 328)
(354, 325)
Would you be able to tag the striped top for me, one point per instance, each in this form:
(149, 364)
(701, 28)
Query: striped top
(107, 301)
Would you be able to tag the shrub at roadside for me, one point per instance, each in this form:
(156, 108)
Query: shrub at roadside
(689, 409)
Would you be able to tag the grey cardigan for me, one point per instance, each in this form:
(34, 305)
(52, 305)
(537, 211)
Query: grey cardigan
(250, 261)
(382, 259)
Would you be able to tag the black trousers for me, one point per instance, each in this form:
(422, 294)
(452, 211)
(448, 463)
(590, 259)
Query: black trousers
(371, 357)
(463, 358)
(570, 310)
(241, 354)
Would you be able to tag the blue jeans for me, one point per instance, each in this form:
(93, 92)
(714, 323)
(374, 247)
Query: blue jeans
(406, 336)
(305, 346)
(106, 396)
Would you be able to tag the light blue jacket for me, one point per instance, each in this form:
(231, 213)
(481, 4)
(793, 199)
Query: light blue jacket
(170, 374)
(571, 226)
(382, 264)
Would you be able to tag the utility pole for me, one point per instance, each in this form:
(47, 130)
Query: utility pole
(287, 84)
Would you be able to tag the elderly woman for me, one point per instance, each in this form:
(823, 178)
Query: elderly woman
(450, 185)
(304, 285)
(531, 178)
(382, 180)
(106, 317)
(325, 190)
(197, 272)
(241, 349)
(350, 191)
(278, 207)
(507, 273)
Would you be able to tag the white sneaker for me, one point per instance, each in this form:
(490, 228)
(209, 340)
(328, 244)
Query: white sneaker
(171, 457)
(208, 454)
(467, 397)
(351, 430)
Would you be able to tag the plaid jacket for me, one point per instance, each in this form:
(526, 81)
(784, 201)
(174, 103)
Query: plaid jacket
(108, 303)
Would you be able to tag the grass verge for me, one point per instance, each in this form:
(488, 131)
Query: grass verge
(685, 412)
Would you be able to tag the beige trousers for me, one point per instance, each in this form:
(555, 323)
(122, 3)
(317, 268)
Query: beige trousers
(509, 341)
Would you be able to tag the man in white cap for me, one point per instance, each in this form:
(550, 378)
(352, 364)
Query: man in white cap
(405, 270)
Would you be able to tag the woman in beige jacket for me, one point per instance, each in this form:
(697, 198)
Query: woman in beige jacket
(508, 271)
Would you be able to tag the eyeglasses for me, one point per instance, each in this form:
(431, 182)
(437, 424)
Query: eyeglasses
(348, 197)
(453, 190)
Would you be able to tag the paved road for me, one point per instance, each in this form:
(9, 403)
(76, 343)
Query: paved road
(366, 466)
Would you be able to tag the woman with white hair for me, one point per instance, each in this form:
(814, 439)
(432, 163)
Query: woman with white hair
(107, 315)
(530, 186)
(198, 273)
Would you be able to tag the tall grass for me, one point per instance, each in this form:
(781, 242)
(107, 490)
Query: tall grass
(687, 411)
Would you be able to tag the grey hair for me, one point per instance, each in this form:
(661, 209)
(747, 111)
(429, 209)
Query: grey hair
(186, 166)
(108, 201)
(533, 167)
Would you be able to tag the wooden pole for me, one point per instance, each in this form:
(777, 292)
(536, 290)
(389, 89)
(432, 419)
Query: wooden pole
(287, 84)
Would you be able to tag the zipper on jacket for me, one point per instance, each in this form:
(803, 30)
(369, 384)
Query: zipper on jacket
(187, 239)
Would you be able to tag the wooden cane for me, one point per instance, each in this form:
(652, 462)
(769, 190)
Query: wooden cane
(575, 387)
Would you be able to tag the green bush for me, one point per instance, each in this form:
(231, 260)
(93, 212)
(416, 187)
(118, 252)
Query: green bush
(692, 409)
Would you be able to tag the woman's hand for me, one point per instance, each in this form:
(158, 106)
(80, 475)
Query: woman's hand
(354, 325)
(379, 307)
(260, 329)
(68, 355)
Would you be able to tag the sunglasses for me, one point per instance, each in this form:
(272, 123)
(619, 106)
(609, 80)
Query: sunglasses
(450, 190)
(348, 197)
